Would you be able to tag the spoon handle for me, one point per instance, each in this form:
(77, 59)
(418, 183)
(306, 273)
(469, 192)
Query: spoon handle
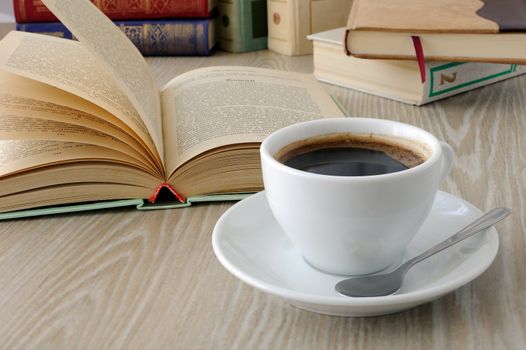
(485, 221)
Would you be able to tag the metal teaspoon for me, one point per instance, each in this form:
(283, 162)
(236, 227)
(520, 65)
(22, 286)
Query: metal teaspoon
(388, 283)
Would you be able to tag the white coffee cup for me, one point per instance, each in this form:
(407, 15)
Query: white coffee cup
(353, 225)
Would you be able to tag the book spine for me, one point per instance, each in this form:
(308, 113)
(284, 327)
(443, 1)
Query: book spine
(49, 28)
(35, 11)
(229, 27)
(288, 26)
(243, 25)
(152, 38)
(447, 79)
(254, 25)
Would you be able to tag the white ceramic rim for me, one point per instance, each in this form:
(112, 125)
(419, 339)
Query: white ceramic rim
(429, 293)
(268, 158)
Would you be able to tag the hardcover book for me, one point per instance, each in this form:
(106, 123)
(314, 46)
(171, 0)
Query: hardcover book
(400, 79)
(36, 10)
(290, 21)
(84, 121)
(242, 25)
(448, 30)
(173, 37)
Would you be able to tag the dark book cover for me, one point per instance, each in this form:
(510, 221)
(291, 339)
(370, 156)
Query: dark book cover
(178, 37)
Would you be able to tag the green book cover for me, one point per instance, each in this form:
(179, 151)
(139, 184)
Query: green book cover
(242, 25)
(139, 204)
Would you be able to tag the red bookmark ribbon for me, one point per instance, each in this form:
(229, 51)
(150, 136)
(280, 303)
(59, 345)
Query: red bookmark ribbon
(420, 57)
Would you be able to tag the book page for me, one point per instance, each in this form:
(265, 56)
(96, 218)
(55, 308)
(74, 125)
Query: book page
(11, 100)
(70, 68)
(49, 111)
(16, 126)
(22, 155)
(118, 55)
(217, 106)
(22, 87)
(27, 93)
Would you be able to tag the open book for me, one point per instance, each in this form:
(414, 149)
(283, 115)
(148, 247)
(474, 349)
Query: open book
(85, 121)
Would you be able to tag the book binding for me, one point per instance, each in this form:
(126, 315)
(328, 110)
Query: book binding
(179, 37)
(139, 204)
(243, 25)
(170, 188)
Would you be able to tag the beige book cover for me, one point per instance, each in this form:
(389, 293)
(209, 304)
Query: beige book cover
(290, 21)
(453, 30)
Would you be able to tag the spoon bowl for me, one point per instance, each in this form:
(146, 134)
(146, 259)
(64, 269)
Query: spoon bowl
(389, 283)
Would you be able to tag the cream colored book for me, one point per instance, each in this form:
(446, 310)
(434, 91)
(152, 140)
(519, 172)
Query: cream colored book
(290, 21)
(85, 121)
(397, 79)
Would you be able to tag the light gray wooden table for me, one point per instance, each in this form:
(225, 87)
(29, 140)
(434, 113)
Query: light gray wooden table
(134, 280)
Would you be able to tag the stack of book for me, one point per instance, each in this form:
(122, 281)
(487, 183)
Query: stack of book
(156, 27)
(401, 79)
(408, 53)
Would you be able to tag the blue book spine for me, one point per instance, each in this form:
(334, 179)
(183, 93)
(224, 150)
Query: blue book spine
(180, 37)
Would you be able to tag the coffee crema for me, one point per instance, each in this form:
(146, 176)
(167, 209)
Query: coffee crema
(350, 154)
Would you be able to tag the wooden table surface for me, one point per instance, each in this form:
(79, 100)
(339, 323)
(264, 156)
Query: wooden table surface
(137, 280)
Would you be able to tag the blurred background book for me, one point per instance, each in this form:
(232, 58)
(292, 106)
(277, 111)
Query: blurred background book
(35, 11)
(156, 27)
(164, 37)
(290, 21)
(242, 25)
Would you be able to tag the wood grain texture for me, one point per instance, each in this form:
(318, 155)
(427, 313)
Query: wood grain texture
(123, 279)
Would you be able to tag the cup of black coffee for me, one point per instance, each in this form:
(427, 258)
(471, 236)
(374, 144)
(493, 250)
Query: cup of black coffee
(351, 193)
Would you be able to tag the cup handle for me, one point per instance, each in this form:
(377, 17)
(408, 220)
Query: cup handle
(447, 160)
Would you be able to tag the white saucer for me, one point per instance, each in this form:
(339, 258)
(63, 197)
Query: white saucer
(250, 244)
